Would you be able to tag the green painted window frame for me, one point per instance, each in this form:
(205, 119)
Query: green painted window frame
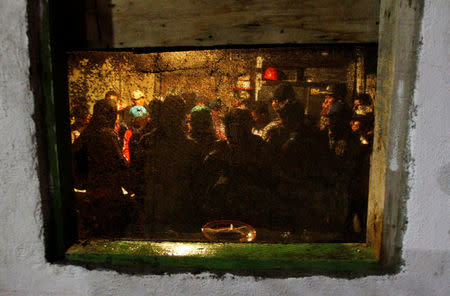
(226, 257)
(388, 189)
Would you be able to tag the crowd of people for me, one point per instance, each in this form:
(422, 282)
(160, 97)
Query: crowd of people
(176, 163)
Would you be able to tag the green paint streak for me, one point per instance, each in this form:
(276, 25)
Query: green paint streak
(50, 120)
(226, 256)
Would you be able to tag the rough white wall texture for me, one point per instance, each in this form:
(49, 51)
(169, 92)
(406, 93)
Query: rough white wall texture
(23, 270)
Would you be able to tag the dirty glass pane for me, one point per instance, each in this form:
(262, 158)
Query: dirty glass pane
(250, 144)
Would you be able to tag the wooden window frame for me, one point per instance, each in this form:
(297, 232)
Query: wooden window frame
(399, 42)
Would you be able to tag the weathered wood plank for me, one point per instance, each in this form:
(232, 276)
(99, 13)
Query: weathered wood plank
(154, 23)
(389, 167)
(98, 23)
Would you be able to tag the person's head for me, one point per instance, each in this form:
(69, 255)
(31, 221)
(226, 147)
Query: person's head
(292, 114)
(80, 115)
(339, 114)
(173, 112)
(190, 99)
(216, 105)
(139, 116)
(104, 114)
(201, 120)
(282, 95)
(329, 94)
(112, 95)
(138, 98)
(238, 125)
(154, 109)
(260, 113)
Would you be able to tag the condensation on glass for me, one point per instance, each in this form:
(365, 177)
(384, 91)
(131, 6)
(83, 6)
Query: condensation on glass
(250, 144)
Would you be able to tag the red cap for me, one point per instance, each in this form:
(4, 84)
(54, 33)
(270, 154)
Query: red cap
(271, 74)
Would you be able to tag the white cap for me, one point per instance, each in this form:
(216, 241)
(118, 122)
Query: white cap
(137, 94)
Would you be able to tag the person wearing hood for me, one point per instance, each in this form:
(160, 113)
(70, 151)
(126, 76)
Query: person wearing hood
(202, 129)
(100, 168)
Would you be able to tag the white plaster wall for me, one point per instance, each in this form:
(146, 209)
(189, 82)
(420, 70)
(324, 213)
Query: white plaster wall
(23, 270)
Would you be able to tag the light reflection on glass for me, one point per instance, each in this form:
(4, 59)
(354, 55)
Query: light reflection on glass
(184, 249)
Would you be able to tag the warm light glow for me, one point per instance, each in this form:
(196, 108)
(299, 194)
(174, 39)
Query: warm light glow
(183, 249)
(121, 105)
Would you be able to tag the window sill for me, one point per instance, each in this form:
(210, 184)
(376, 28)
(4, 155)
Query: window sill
(326, 257)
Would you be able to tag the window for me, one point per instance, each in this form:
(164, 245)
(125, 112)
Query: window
(305, 180)
(390, 135)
